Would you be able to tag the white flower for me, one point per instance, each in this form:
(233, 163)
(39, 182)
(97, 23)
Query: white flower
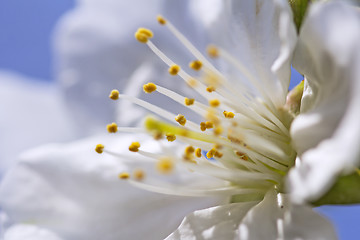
(254, 162)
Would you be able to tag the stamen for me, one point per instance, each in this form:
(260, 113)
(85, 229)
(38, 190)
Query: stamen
(189, 101)
(139, 174)
(212, 51)
(218, 130)
(165, 165)
(170, 137)
(202, 126)
(149, 87)
(210, 88)
(214, 102)
(229, 114)
(180, 119)
(161, 20)
(189, 150)
(99, 148)
(112, 127)
(211, 153)
(174, 69)
(124, 175)
(209, 124)
(134, 147)
(196, 65)
(198, 152)
(143, 35)
(114, 94)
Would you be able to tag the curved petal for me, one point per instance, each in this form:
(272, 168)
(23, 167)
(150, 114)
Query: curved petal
(213, 223)
(272, 218)
(262, 36)
(74, 192)
(279, 219)
(327, 133)
(29, 232)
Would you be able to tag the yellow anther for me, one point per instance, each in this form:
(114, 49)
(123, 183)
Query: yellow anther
(143, 35)
(147, 32)
(192, 82)
(189, 101)
(139, 174)
(210, 88)
(218, 154)
(99, 148)
(174, 69)
(157, 135)
(170, 137)
(124, 175)
(211, 153)
(212, 51)
(218, 130)
(242, 155)
(112, 127)
(161, 20)
(165, 165)
(134, 147)
(114, 94)
(180, 119)
(202, 126)
(198, 152)
(214, 102)
(196, 65)
(209, 124)
(229, 114)
(149, 87)
(218, 146)
(189, 150)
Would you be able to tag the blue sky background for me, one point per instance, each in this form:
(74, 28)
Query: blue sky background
(25, 47)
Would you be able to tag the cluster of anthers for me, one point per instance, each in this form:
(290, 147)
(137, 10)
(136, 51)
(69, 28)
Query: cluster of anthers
(244, 139)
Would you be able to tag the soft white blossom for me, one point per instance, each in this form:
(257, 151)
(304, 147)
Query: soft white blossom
(79, 197)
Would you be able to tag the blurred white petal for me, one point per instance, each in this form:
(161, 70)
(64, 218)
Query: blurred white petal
(29, 232)
(32, 113)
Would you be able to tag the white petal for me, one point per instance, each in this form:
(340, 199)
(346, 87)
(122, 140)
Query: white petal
(262, 36)
(272, 218)
(327, 55)
(327, 134)
(276, 218)
(29, 232)
(74, 192)
(212, 223)
(33, 114)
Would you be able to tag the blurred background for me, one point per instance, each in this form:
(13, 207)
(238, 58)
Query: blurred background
(27, 57)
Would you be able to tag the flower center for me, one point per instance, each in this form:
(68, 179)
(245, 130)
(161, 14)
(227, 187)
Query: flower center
(244, 140)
